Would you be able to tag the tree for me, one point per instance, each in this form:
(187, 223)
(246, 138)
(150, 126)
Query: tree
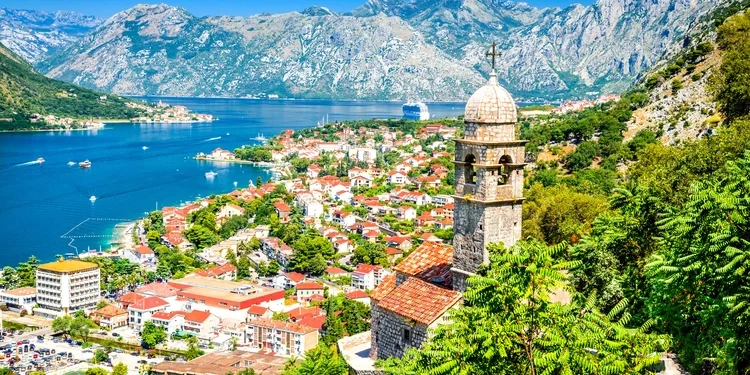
(96, 371)
(509, 324)
(310, 253)
(323, 360)
(62, 324)
(246, 371)
(259, 181)
(582, 156)
(193, 350)
(201, 236)
(81, 326)
(370, 253)
(99, 356)
(152, 335)
(700, 274)
(730, 85)
(120, 369)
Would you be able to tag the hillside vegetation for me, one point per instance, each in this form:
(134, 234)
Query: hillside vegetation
(24, 92)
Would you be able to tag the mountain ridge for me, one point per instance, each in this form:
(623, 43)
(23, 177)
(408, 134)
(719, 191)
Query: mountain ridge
(428, 50)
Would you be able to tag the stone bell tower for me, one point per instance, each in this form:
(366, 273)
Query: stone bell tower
(488, 181)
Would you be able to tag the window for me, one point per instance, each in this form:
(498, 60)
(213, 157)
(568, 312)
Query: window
(223, 303)
(470, 173)
(407, 336)
(505, 170)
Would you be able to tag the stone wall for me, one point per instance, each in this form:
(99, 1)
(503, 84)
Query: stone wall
(388, 333)
(489, 132)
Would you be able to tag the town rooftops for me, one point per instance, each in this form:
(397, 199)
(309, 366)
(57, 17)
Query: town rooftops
(315, 322)
(224, 362)
(431, 262)
(384, 288)
(335, 271)
(209, 283)
(68, 265)
(283, 326)
(419, 300)
(21, 292)
(257, 310)
(197, 316)
(357, 294)
(216, 271)
(366, 268)
(301, 312)
(148, 303)
(130, 298)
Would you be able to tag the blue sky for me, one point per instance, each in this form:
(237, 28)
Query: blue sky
(106, 8)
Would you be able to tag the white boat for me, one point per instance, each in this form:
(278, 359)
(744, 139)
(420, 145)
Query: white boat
(40, 160)
(71, 163)
(259, 138)
(144, 148)
(211, 174)
(416, 111)
(93, 198)
(227, 133)
(85, 164)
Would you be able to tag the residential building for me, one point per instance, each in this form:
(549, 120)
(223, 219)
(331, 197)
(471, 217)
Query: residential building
(284, 338)
(344, 219)
(224, 294)
(282, 210)
(140, 312)
(225, 272)
(407, 213)
(142, 255)
(259, 312)
(307, 289)
(19, 299)
(221, 154)
(288, 280)
(198, 323)
(67, 286)
(442, 200)
(397, 178)
(367, 277)
(221, 363)
(110, 317)
(359, 296)
(228, 211)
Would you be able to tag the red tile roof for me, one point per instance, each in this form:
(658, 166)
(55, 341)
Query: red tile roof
(309, 285)
(366, 268)
(281, 206)
(143, 250)
(284, 326)
(197, 316)
(163, 315)
(295, 276)
(313, 322)
(419, 300)
(257, 310)
(129, 298)
(301, 312)
(335, 271)
(316, 297)
(148, 303)
(163, 290)
(393, 251)
(217, 271)
(386, 286)
(431, 261)
(357, 294)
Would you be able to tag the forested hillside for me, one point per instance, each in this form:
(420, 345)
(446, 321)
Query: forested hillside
(24, 92)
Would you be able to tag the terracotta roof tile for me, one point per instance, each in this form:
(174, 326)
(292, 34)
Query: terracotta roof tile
(357, 294)
(129, 298)
(313, 321)
(431, 262)
(284, 326)
(197, 316)
(384, 288)
(295, 276)
(148, 303)
(257, 310)
(309, 285)
(419, 300)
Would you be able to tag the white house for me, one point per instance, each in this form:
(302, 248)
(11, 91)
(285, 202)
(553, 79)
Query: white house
(407, 213)
(141, 311)
(397, 178)
(230, 210)
(221, 154)
(367, 277)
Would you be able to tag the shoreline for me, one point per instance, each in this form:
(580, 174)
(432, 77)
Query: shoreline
(113, 121)
(261, 164)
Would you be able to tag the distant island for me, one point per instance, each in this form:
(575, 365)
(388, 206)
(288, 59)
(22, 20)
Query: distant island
(33, 102)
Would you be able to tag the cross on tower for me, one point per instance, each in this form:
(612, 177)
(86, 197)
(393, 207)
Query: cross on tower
(493, 54)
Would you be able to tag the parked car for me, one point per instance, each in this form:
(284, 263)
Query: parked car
(115, 334)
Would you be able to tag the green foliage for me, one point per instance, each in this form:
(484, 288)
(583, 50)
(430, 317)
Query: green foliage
(120, 369)
(510, 324)
(323, 360)
(370, 253)
(26, 92)
(344, 317)
(23, 275)
(99, 356)
(280, 316)
(310, 253)
(193, 350)
(582, 156)
(96, 371)
(700, 288)
(730, 85)
(201, 236)
(62, 324)
(152, 335)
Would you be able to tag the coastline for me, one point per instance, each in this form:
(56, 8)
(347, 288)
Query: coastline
(262, 164)
(113, 121)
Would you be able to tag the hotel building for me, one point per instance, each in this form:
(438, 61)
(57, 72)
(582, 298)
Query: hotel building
(66, 286)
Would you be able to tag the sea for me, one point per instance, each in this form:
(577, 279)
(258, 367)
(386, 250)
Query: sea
(46, 210)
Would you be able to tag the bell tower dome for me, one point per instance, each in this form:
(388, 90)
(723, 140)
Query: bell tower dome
(489, 164)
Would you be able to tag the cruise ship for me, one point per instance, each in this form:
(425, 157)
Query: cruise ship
(416, 111)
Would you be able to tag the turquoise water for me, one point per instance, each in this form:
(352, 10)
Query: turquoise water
(42, 202)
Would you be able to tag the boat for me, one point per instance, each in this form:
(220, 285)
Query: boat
(211, 174)
(71, 163)
(40, 160)
(259, 138)
(93, 198)
(84, 164)
(227, 133)
(416, 111)
(144, 148)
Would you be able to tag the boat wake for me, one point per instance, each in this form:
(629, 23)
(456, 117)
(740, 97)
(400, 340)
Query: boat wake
(29, 163)
(212, 139)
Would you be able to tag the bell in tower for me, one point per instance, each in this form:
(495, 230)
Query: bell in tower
(488, 178)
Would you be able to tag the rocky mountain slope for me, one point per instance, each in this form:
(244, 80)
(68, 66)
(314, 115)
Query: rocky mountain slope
(163, 50)
(36, 34)
(385, 49)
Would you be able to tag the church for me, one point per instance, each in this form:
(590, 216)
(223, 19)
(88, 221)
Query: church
(489, 172)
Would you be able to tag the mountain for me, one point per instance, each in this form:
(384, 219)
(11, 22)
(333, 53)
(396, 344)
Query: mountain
(384, 49)
(164, 50)
(35, 34)
(25, 92)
